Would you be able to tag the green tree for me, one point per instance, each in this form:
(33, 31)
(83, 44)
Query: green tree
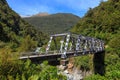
(28, 44)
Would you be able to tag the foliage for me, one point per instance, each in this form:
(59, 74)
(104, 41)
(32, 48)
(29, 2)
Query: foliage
(18, 35)
(7, 64)
(103, 22)
(28, 44)
(95, 77)
(84, 62)
(13, 29)
(13, 69)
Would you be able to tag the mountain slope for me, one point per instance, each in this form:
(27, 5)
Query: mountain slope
(55, 23)
(104, 18)
(13, 29)
(104, 22)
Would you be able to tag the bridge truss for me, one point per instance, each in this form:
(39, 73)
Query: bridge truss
(75, 43)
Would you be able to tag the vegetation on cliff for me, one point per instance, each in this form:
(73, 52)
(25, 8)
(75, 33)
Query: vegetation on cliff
(17, 35)
(13, 69)
(13, 29)
(103, 22)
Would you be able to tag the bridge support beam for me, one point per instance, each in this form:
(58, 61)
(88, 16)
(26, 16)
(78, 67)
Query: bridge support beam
(98, 63)
(64, 62)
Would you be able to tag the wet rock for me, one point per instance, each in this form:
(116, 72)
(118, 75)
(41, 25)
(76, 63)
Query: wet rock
(62, 68)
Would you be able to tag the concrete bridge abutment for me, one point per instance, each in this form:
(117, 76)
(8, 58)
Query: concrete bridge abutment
(98, 63)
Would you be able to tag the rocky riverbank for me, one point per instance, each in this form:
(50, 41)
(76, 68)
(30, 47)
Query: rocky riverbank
(72, 72)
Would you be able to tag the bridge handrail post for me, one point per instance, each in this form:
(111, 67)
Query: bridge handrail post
(85, 45)
(93, 45)
(61, 47)
(49, 43)
(77, 46)
(89, 44)
(66, 46)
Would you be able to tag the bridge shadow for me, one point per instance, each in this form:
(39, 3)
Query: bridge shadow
(98, 63)
(54, 63)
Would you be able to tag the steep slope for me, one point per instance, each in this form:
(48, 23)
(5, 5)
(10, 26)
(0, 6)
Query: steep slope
(15, 32)
(104, 22)
(55, 23)
(13, 29)
(104, 18)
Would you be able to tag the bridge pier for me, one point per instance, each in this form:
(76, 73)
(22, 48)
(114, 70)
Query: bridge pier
(64, 62)
(98, 63)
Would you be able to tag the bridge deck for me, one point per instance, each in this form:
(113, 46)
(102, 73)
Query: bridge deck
(70, 46)
(52, 57)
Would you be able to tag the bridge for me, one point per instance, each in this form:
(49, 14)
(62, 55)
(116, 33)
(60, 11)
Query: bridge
(65, 45)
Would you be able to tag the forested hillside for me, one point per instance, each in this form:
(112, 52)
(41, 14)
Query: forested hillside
(17, 35)
(14, 30)
(55, 23)
(103, 22)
